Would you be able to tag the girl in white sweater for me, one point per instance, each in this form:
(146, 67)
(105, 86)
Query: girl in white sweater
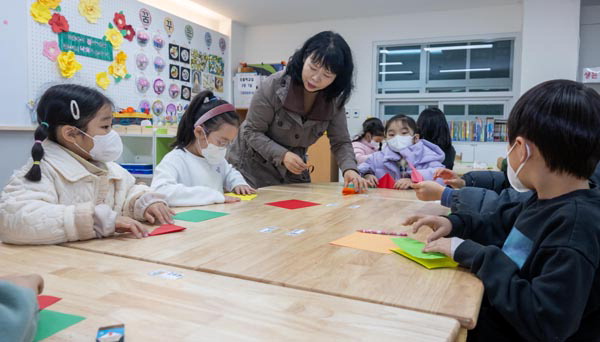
(72, 189)
(196, 172)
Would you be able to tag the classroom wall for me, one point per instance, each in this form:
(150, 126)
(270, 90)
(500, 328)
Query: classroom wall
(268, 43)
(589, 50)
(550, 41)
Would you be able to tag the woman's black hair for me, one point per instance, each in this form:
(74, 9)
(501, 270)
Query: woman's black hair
(407, 120)
(202, 103)
(433, 127)
(329, 50)
(57, 107)
(373, 126)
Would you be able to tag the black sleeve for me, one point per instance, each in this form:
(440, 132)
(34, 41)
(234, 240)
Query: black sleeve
(486, 229)
(548, 307)
(491, 180)
(484, 201)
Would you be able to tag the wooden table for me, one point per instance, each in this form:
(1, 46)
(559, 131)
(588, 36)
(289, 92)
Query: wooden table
(200, 306)
(233, 246)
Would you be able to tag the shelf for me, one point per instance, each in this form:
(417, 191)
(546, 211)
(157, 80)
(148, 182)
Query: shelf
(166, 135)
(479, 142)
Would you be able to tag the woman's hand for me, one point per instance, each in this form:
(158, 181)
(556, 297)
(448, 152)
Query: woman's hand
(160, 212)
(351, 176)
(244, 190)
(125, 224)
(294, 163)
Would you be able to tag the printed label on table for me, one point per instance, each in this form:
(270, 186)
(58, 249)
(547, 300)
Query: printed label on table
(295, 232)
(269, 229)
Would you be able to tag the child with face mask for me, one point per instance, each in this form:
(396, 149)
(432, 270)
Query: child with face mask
(72, 189)
(539, 259)
(196, 172)
(369, 141)
(403, 148)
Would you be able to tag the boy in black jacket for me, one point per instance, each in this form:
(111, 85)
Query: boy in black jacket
(538, 259)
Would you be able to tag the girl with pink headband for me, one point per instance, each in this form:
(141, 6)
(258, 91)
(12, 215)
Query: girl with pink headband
(196, 172)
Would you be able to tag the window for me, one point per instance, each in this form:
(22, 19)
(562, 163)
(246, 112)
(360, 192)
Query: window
(465, 78)
(467, 66)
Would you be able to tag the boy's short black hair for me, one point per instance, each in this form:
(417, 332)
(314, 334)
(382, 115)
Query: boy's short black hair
(562, 118)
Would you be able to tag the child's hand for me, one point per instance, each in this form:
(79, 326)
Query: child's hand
(29, 281)
(442, 245)
(428, 190)
(441, 226)
(403, 184)
(231, 199)
(450, 178)
(159, 212)
(125, 224)
(372, 181)
(244, 190)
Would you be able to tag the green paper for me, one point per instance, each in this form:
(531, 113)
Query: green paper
(110, 25)
(128, 76)
(414, 248)
(57, 9)
(87, 46)
(120, 12)
(51, 322)
(198, 215)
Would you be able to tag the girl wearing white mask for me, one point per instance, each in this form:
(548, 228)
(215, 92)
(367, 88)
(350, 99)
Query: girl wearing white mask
(403, 148)
(369, 141)
(72, 189)
(196, 172)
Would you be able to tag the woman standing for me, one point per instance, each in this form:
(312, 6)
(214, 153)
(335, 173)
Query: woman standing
(292, 109)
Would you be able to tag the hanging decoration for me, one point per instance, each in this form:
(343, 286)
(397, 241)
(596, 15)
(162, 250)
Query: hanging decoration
(142, 84)
(114, 36)
(40, 12)
(189, 33)
(102, 80)
(86, 46)
(142, 38)
(159, 64)
(222, 45)
(208, 40)
(68, 64)
(118, 68)
(145, 17)
(51, 50)
(58, 23)
(90, 10)
(169, 26)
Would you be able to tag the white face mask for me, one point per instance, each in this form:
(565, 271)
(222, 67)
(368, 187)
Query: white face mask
(513, 176)
(399, 142)
(213, 154)
(374, 144)
(107, 148)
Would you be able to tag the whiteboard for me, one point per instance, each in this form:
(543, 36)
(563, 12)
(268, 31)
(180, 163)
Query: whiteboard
(210, 48)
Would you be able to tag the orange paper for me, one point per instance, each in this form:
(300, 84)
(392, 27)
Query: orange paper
(368, 242)
(349, 191)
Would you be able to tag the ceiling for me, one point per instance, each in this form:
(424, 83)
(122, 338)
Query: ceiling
(270, 12)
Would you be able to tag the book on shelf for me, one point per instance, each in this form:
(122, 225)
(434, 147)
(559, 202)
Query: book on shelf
(478, 130)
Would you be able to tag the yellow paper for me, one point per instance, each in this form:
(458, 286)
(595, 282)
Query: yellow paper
(242, 197)
(429, 263)
(368, 242)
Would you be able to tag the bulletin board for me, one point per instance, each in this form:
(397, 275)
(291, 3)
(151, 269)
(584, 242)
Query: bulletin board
(145, 58)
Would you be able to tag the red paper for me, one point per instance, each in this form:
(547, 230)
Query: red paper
(415, 175)
(46, 301)
(166, 229)
(292, 204)
(386, 182)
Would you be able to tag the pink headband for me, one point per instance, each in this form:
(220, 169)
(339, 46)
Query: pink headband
(214, 112)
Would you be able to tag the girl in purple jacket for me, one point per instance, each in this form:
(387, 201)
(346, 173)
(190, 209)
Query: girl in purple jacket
(403, 148)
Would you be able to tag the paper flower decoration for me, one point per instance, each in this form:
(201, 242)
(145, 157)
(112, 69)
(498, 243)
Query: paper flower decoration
(119, 20)
(118, 68)
(51, 50)
(129, 32)
(40, 12)
(115, 37)
(102, 80)
(50, 3)
(121, 58)
(58, 23)
(90, 10)
(67, 64)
